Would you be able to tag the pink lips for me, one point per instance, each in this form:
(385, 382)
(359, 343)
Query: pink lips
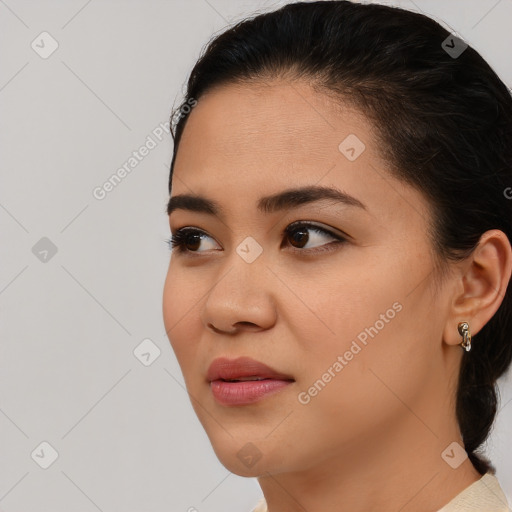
(244, 381)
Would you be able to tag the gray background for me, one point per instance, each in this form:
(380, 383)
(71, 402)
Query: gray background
(125, 433)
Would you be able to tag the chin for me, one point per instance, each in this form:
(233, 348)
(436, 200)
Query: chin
(247, 458)
(243, 464)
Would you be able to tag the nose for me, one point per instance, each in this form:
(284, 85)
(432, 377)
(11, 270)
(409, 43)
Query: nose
(240, 299)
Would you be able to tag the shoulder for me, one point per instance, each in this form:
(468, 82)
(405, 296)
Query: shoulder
(261, 506)
(484, 494)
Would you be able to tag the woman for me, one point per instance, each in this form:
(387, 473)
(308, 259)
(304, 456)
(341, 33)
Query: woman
(337, 292)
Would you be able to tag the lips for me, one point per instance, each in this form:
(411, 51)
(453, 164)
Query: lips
(244, 381)
(242, 369)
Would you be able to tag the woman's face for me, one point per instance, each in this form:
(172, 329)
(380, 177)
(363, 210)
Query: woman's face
(342, 310)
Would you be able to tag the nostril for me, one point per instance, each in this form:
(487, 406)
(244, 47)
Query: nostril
(250, 324)
(220, 331)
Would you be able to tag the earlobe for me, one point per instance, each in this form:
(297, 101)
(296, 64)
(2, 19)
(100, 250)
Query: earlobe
(484, 279)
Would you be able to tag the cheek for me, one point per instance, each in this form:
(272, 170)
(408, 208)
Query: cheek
(333, 312)
(360, 338)
(351, 390)
(180, 314)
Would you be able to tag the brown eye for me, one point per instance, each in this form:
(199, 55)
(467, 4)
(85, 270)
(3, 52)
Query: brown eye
(192, 241)
(302, 233)
(300, 237)
(187, 240)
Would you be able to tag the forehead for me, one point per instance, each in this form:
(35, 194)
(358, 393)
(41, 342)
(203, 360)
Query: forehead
(270, 131)
(279, 119)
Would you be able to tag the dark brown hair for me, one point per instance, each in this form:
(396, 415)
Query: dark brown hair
(444, 119)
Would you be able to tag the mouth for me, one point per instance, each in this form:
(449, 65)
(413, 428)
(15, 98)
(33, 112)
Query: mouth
(244, 381)
(242, 369)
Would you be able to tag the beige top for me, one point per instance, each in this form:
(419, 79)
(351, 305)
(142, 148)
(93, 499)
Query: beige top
(484, 495)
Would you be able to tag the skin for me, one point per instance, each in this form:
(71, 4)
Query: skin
(372, 439)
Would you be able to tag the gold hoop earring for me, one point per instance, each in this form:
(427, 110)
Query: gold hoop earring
(466, 336)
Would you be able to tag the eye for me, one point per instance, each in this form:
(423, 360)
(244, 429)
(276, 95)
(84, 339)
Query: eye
(186, 237)
(298, 234)
(188, 240)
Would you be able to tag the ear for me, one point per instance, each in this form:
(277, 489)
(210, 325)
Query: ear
(481, 285)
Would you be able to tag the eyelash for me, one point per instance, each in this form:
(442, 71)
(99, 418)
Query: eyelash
(178, 239)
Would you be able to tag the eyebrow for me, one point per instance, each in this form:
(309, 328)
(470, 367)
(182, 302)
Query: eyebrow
(285, 200)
